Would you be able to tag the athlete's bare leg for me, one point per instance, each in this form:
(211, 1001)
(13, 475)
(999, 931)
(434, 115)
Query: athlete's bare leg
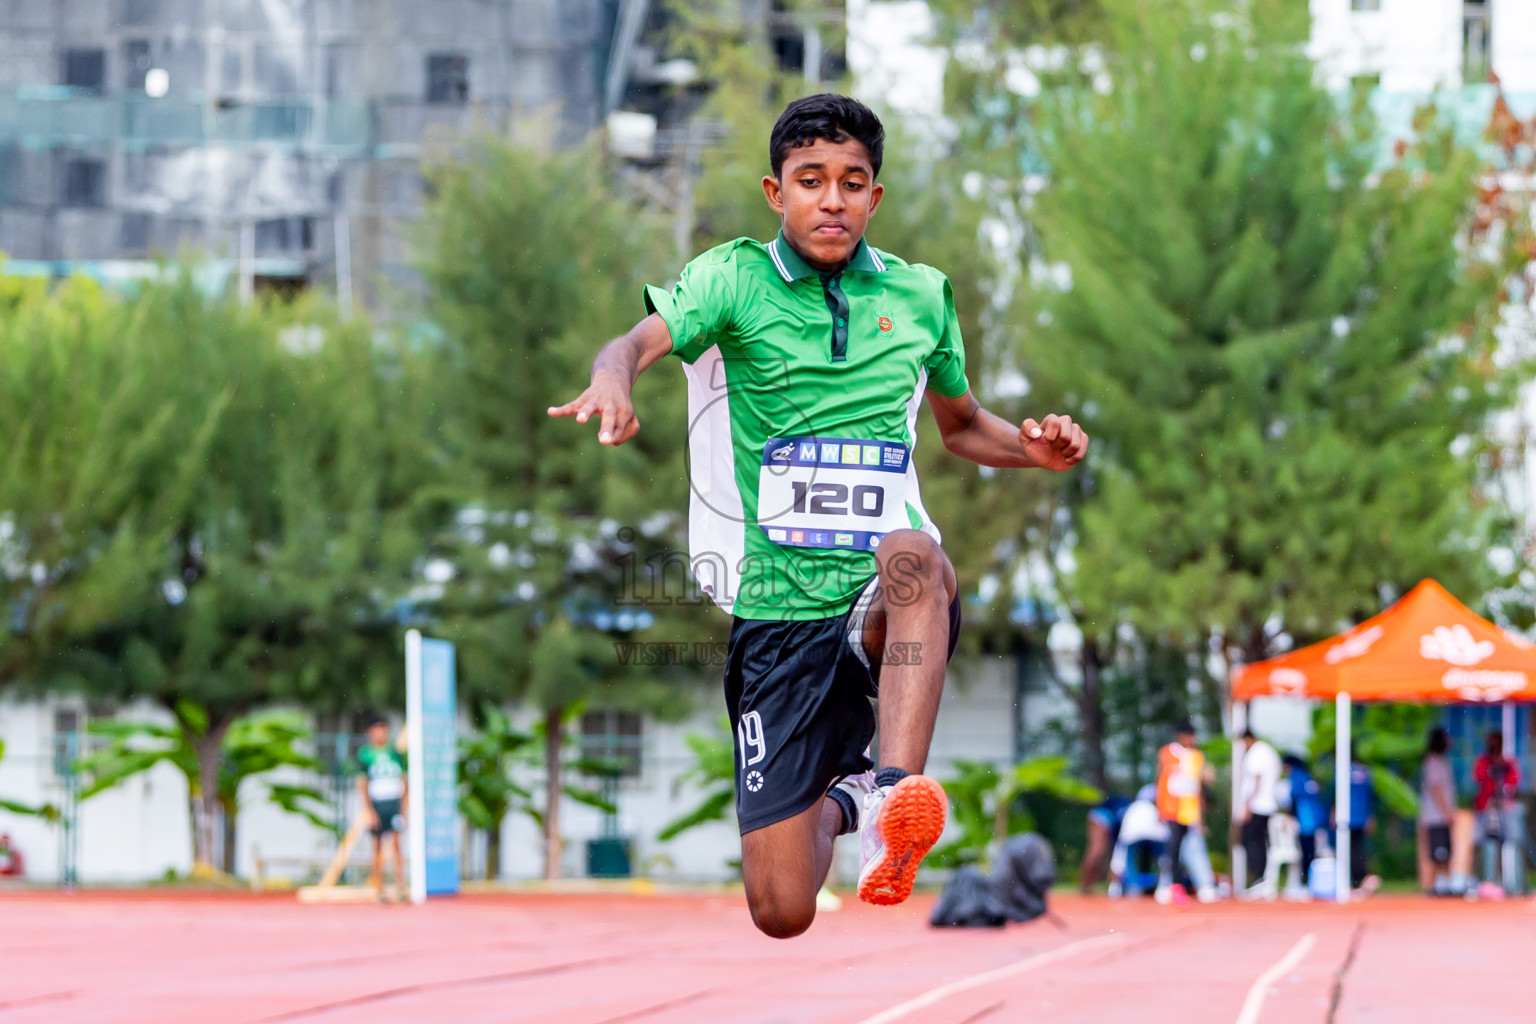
(784, 866)
(911, 609)
(376, 873)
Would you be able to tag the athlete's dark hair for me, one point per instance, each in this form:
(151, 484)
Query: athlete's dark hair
(826, 116)
(373, 720)
(1439, 741)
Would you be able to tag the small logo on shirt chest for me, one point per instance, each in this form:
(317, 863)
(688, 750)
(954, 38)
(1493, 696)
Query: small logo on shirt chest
(886, 326)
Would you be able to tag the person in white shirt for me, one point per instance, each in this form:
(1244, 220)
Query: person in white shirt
(1261, 778)
(1140, 824)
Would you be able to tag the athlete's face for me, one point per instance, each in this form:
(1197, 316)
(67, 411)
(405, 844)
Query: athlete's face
(825, 194)
(378, 735)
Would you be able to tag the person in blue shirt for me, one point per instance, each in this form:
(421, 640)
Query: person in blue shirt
(1308, 809)
(1361, 821)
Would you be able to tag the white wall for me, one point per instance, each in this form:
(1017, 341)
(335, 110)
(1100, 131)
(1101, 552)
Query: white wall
(136, 831)
(1514, 44)
(1415, 45)
(140, 830)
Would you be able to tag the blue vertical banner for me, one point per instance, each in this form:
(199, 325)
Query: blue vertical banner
(431, 713)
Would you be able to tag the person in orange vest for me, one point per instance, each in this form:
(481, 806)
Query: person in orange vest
(1182, 775)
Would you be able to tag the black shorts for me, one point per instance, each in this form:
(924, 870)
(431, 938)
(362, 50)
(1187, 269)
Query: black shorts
(1438, 839)
(389, 816)
(798, 695)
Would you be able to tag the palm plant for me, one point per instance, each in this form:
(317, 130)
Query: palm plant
(985, 803)
(714, 772)
(253, 745)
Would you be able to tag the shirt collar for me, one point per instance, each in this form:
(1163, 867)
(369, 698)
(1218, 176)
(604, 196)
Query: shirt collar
(792, 268)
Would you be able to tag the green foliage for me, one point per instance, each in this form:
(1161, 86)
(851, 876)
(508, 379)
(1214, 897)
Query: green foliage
(1277, 357)
(487, 791)
(264, 741)
(988, 805)
(1388, 738)
(251, 746)
(206, 504)
(533, 262)
(132, 748)
(714, 773)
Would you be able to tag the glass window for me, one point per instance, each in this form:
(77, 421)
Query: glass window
(85, 182)
(86, 69)
(447, 78)
(136, 63)
(276, 70)
(1476, 28)
(613, 736)
(139, 12)
(135, 232)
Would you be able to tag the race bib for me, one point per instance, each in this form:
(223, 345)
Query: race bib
(1181, 785)
(830, 492)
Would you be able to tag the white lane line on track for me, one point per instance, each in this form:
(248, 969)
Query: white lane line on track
(1254, 1004)
(1045, 959)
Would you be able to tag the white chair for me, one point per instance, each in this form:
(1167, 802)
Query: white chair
(1284, 849)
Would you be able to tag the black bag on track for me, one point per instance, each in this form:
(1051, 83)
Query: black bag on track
(1017, 890)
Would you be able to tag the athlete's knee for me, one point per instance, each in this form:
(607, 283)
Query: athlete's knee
(913, 568)
(780, 918)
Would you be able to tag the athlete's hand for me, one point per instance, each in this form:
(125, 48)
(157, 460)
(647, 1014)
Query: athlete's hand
(373, 819)
(609, 398)
(1054, 442)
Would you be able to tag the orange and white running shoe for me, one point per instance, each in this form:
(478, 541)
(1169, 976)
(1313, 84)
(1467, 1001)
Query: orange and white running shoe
(898, 826)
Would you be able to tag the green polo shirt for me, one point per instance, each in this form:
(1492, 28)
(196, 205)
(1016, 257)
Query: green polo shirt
(803, 394)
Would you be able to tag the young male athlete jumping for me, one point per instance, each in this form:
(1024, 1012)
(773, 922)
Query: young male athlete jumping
(807, 358)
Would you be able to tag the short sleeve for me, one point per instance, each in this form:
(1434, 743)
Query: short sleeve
(698, 311)
(946, 365)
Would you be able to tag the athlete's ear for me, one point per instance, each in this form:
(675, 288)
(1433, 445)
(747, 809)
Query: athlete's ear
(774, 193)
(875, 193)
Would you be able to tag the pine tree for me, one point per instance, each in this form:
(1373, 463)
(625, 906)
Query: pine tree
(534, 263)
(206, 505)
(1277, 329)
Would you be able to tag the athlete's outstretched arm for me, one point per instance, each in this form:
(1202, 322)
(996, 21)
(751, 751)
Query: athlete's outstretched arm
(972, 433)
(614, 372)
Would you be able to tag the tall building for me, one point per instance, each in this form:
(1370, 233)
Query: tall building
(279, 137)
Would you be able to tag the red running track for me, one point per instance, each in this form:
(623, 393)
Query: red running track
(183, 959)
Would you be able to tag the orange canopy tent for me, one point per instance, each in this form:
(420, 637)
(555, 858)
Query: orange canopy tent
(1428, 647)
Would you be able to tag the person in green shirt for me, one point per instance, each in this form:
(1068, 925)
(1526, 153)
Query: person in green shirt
(381, 783)
(807, 358)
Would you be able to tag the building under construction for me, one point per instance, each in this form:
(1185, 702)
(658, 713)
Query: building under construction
(281, 139)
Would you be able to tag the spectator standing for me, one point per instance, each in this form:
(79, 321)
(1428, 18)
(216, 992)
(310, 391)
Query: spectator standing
(1258, 802)
(1498, 779)
(381, 783)
(1437, 806)
(1308, 807)
(1182, 774)
(1362, 820)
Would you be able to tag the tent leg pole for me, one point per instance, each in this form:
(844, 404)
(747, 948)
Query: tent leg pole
(1239, 854)
(1341, 759)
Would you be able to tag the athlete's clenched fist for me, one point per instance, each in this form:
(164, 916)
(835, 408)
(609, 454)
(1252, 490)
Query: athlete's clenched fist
(1054, 442)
